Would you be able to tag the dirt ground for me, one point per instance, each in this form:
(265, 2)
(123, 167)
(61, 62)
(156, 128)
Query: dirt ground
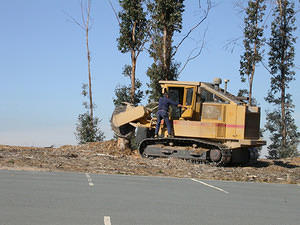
(106, 158)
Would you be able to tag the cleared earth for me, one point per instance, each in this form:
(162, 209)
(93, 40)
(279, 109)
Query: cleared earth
(106, 158)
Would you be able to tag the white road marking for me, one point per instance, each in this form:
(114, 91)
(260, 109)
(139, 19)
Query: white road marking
(107, 220)
(89, 179)
(214, 187)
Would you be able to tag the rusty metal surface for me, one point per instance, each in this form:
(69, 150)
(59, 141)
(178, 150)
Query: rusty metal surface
(212, 112)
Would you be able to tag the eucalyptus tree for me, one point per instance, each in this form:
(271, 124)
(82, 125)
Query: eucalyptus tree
(280, 122)
(133, 35)
(87, 127)
(166, 19)
(122, 92)
(85, 25)
(253, 42)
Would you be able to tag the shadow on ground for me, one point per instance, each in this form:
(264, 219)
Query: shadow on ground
(264, 164)
(285, 164)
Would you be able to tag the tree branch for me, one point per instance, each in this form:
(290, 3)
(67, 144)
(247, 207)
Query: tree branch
(145, 41)
(73, 20)
(239, 5)
(190, 57)
(267, 17)
(262, 62)
(233, 42)
(115, 12)
(194, 27)
(82, 12)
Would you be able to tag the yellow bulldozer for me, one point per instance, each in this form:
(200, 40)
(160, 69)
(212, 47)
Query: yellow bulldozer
(212, 125)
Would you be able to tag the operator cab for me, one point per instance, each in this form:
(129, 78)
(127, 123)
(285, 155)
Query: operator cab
(192, 95)
(184, 95)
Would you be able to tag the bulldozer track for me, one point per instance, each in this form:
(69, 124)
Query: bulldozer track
(195, 150)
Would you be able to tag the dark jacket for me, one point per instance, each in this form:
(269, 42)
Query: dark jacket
(164, 103)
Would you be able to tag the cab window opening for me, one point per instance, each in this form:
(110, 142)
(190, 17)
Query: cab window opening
(207, 96)
(176, 95)
(189, 96)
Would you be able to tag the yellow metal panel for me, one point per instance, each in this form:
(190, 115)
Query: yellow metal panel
(230, 119)
(188, 113)
(196, 115)
(212, 111)
(185, 94)
(240, 121)
(131, 114)
(190, 109)
(186, 128)
(179, 83)
(197, 129)
(235, 122)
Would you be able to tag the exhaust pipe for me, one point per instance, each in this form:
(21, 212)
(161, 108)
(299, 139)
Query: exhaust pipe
(226, 81)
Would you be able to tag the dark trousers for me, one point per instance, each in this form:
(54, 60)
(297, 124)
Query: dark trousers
(162, 114)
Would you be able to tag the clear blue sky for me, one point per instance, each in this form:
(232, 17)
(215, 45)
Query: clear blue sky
(43, 65)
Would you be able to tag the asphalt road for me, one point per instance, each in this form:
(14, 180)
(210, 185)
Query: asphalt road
(44, 198)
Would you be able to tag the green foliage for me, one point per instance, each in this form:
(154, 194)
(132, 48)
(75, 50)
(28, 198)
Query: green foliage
(280, 122)
(166, 18)
(253, 41)
(245, 93)
(122, 92)
(156, 73)
(167, 13)
(242, 93)
(132, 17)
(84, 93)
(253, 37)
(133, 35)
(88, 130)
(274, 125)
(282, 52)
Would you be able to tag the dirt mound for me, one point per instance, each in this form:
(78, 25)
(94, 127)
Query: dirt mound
(105, 157)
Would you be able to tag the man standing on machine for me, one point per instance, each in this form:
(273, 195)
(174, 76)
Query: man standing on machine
(163, 113)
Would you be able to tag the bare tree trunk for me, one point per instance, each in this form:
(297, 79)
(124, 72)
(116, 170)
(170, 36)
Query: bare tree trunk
(89, 58)
(169, 49)
(252, 75)
(122, 143)
(280, 6)
(283, 36)
(165, 53)
(89, 71)
(254, 61)
(283, 119)
(133, 66)
(250, 88)
(85, 26)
